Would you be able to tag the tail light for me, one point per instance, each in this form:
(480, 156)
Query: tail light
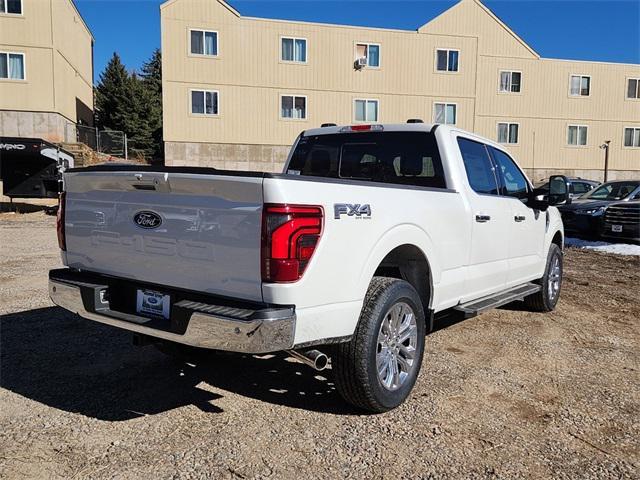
(62, 241)
(290, 234)
(362, 128)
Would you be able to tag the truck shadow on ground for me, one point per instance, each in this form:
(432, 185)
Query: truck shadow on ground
(451, 317)
(61, 360)
(22, 207)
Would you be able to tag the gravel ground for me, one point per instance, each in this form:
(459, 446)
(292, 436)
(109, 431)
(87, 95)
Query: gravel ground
(508, 394)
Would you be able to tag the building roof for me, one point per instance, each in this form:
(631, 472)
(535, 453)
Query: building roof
(493, 16)
(73, 4)
(425, 28)
(222, 2)
(421, 28)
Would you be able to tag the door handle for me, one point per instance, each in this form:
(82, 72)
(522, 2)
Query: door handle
(519, 218)
(483, 218)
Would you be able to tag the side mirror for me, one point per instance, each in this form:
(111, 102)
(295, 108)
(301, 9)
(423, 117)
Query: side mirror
(559, 191)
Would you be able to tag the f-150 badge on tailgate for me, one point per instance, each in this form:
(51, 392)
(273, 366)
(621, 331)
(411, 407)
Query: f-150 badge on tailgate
(357, 210)
(147, 219)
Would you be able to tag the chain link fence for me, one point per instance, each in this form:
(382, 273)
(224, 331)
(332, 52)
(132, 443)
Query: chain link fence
(113, 142)
(110, 142)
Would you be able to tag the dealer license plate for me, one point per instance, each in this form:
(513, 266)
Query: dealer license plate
(153, 303)
(616, 228)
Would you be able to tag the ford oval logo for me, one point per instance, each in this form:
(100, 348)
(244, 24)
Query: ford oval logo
(147, 219)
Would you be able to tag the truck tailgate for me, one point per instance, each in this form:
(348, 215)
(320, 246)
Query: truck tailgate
(187, 230)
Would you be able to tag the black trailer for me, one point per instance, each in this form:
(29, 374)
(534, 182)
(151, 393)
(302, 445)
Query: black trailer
(31, 167)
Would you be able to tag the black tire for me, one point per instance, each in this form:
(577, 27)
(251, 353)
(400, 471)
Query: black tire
(354, 363)
(544, 300)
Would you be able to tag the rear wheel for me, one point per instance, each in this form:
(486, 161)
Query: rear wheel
(378, 368)
(547, 298)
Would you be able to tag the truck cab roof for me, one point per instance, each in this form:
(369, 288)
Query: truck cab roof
(398, 127)
(373, 127)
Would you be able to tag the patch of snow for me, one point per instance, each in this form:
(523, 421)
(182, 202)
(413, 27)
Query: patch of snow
(605, 247)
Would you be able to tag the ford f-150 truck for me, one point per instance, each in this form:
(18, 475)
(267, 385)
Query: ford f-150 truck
(346, 256)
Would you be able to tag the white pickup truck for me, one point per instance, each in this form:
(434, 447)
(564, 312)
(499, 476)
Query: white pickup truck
(348, 254)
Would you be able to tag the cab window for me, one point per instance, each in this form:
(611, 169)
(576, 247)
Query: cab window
(513, 182)
(479, 168)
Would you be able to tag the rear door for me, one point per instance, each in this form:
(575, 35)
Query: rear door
(490, 212)
(526, 225)
(193, 231)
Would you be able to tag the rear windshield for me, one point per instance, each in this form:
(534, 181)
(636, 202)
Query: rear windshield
(406, 158)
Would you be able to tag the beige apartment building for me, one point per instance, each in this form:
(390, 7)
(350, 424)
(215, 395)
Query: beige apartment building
(238, 90)
(46, 69)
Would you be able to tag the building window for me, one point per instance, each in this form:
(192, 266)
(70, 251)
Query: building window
(203, 43)
(580, 86)
(510, 82)
(370, 52)
(632, 137)
(447, 60)
(11, 6)
(633, 88)
(366, 110)
(12, 65)
(445, 113)
(577, 135)
(293, 106)
(508, 132)
(294, 50)
(204, 102)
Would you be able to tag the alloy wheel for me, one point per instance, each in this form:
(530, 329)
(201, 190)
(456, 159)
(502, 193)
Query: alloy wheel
(396, 348)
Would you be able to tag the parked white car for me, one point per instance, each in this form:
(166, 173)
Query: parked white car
(370, 231)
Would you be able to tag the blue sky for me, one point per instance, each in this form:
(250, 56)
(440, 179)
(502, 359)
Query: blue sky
(571, 29)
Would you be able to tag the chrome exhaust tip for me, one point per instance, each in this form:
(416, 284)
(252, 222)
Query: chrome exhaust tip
(313, 358)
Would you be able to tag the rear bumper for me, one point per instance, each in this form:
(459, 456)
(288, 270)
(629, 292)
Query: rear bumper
(206, 325)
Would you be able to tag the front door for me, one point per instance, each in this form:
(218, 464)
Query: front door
(526, 241)
(526, 226)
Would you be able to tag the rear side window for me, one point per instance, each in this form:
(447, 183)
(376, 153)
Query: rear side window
(478, 166)
(514, 183)
(579, 187)
(405, 158)
(613, 191)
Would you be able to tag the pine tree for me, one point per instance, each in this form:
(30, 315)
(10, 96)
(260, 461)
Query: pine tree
(152, 73)
(152, 81)
(138, 124)
(132, 103)
(112, 96)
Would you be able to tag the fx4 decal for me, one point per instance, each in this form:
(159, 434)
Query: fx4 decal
(351, 210)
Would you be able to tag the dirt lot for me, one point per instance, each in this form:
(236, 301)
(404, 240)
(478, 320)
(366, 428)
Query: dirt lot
(509, 394)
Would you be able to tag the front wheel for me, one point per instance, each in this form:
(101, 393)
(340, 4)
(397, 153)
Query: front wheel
(547, 298)
(377, 369)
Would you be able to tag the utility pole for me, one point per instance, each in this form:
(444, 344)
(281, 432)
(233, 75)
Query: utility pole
(605, 147)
